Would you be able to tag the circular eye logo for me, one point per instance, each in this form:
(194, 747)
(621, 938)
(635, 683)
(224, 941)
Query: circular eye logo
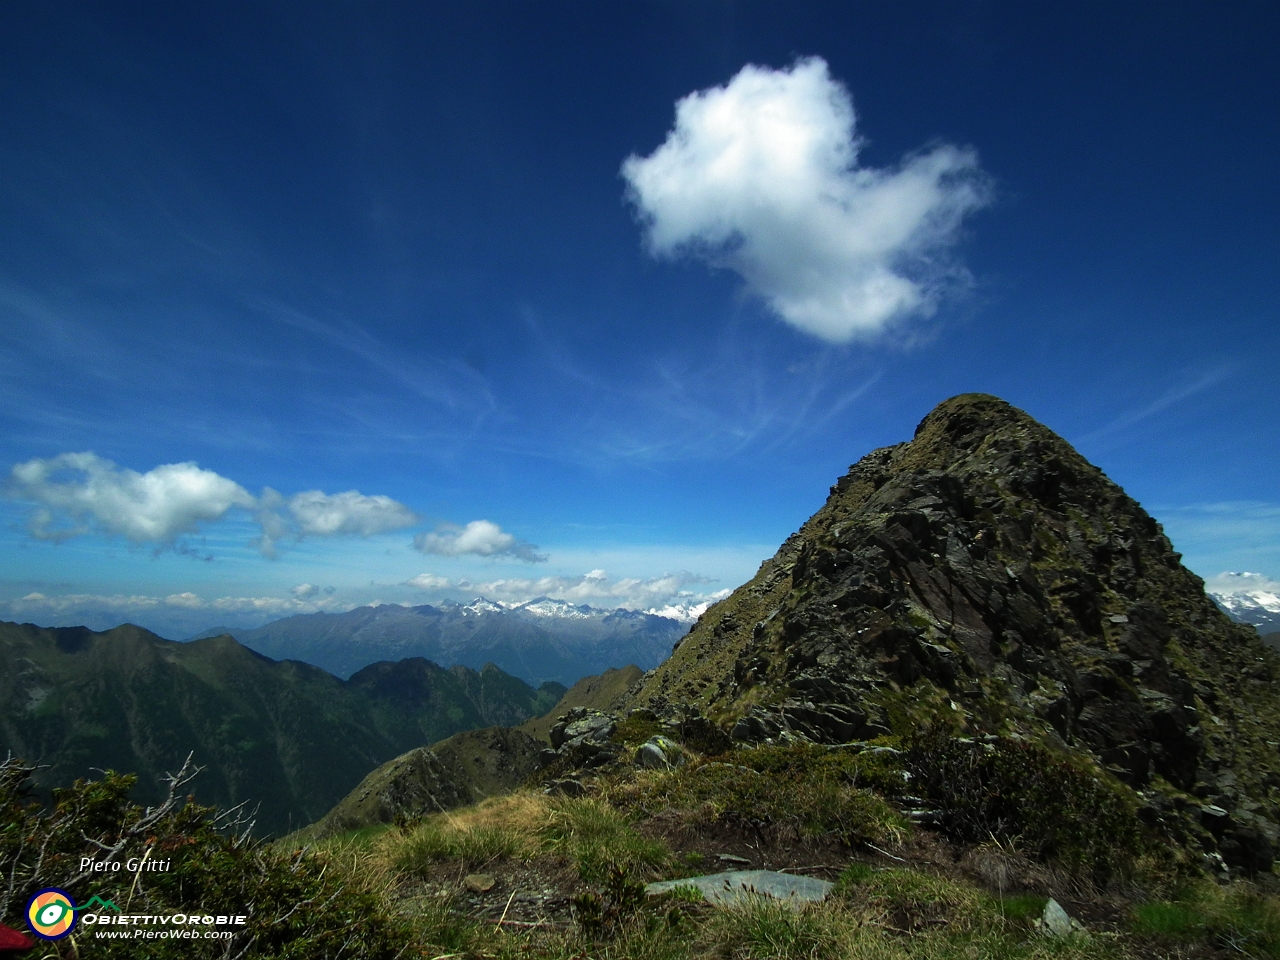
(51, 913)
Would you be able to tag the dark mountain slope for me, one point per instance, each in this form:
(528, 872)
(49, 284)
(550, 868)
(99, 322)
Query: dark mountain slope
(985, 575)
(417, 701)
(283, 734)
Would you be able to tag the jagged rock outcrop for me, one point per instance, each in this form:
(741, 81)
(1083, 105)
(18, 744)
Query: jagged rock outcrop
(582, 739)
(986, 573)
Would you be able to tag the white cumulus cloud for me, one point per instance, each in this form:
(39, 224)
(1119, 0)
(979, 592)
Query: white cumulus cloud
(1256, 585)
(348, 514)
(77, 492)
(761, 175)
(482, 538)
(314, 513)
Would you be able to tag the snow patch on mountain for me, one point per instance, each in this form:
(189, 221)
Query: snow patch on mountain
(547, 607)
(480, 606)
(1248, 598)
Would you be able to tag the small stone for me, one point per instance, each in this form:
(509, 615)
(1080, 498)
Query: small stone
(1055, 922)
(659, 753)
(479, 882)
(567, 788)
(1118, 618)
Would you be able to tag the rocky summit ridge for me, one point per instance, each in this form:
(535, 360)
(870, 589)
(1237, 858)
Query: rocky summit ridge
(985, 576)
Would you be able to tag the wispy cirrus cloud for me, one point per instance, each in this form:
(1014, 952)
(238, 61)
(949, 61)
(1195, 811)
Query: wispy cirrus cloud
(761, 176)
(1169, 398)
(1228, 535)
(449, 384)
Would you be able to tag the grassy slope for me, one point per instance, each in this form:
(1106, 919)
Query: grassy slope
(909, 895)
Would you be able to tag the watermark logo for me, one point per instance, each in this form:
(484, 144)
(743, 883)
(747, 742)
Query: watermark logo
(51, 913)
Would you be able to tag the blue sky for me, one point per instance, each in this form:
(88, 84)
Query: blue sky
(308, 305)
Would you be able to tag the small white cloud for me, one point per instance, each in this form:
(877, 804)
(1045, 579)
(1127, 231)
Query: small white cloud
(186, 599)
(687, 611)
(77, 492)
(351, 513)
(429, 581)
(482, 538)
(1256, 586)
(761, 176)
(304, 590)
(315, 513)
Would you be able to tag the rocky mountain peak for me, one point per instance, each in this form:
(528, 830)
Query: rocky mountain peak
(987, 577)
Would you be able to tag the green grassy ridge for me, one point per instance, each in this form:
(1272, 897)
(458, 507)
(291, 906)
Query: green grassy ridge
(906, 911)
(285, 735)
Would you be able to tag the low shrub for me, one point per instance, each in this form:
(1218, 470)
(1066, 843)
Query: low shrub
(296, 906)
(636, 729)
(600, 914)
(1048, 805)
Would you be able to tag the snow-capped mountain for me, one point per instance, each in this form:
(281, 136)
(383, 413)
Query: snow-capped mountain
(562, 609)
(684, 612)
(1248, 598)
(480, 606)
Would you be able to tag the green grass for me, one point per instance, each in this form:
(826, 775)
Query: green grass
(763, 928)
(811, 788)
(635, 730)
(437, 840)
(589, 832)
(596, 836)
(1239, 917)
(1024, 906)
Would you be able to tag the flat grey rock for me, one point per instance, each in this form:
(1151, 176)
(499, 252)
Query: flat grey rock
(734, 886)
(1055, 922)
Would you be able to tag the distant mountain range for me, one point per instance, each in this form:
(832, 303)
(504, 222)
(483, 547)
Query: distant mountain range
(285, 735)
(537, 641)
(1258, 607)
